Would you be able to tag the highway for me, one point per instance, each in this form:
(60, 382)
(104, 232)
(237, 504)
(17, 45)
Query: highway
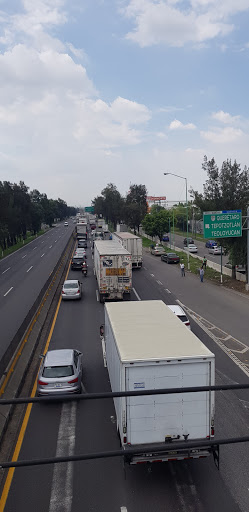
(82, 427)
(23, 275)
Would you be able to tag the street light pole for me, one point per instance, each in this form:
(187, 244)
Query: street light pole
(183, 178)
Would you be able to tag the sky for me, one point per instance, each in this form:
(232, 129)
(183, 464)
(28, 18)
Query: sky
(120, 91)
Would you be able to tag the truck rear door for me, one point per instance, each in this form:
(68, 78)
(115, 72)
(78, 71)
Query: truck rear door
(150, 419)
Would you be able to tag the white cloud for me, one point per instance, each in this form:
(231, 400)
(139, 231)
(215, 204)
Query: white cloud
(222, 136)
(178, 125)
(225, 117)
(175, 24)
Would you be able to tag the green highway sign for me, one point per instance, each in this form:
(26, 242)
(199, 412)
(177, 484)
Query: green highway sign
(223, 224)
(89, 209)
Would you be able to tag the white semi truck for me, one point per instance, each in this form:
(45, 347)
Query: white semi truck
(133, 244)
(113, 269)
(148, 348)
(81, 230)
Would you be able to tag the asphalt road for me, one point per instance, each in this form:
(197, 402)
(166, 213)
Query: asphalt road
(23, 275)
(104, 485)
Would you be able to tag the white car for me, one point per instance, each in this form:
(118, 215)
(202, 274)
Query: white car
(65, 223)
(158, 250)
(180, 313)
(191, 248)
(71, 289)
(215, 250)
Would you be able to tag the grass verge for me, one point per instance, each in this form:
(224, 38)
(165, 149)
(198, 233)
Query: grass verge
(20, 244)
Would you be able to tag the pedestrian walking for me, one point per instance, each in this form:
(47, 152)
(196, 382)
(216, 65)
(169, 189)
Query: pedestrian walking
(204, 262)
(201, 274)
(182, 267)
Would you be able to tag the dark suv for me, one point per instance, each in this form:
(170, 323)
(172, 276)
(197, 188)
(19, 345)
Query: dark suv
(76, 263)
(190, 241)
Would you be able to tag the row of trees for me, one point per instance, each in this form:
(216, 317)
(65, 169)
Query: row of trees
(115, 208)
(22, 211)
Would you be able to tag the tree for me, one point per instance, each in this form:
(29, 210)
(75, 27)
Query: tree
(135, 207)
(226, 189)
(157, 223)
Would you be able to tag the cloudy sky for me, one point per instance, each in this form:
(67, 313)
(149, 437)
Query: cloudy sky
(100, 91)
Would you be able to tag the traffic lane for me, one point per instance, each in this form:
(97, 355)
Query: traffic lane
(202, 250)
(29, 282)
(232, 413)
(222, 307)
(30, 255)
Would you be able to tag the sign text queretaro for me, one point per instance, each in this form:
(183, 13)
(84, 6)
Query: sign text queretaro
(222, 224)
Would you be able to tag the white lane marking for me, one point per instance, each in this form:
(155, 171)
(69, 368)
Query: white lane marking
(8, 291)
(152, 275)
(145, 268)
(30, 268)
(5, 270)
(123, 509)
(159, 282)
(42, 254)
(167, 290)
(35, 248)
(138, 298)
(97, 295)
(24, 256)
(43, 241)
(55, 241)
(50, 246)
(62, 482)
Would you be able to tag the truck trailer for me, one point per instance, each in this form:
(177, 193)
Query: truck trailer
(81, 230)
(113, 269)
(148, 348)
(133, 244)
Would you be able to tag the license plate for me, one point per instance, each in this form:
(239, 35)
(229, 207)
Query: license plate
(58, 385)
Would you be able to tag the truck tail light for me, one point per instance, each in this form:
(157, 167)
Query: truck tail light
(124, 439)
(212, 431)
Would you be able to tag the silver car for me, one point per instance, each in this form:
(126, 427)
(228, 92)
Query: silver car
(60, 373)
(71, 289)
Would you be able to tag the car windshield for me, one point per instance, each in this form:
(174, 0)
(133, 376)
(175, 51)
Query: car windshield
(76, 260)
(70, 285)
(183, 318)
(52, 372)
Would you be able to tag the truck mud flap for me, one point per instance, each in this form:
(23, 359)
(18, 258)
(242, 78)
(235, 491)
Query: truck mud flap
(216, 455)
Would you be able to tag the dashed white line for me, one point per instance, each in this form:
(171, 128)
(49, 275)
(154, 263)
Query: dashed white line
(123, 509)
(5, 270)
(30, 268)
(159, 282)
(24, 256)
(139, 298)
(97, 295)
(43, 241)
(8, 291)
(145, 268)
(55, 241)
(35, 248)
(50, 246)
(152, 275)
(42, 254)
(167, 290)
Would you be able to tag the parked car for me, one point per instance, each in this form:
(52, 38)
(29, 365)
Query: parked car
(65, 223)
(191, 248)
(190, 241)
(216, 249)
(181, 314)
(60, 373)
(71, 289)
(165, 238)
(210, 243)
(170, 257)
(82, 243)
(157, 250)
(76, 262)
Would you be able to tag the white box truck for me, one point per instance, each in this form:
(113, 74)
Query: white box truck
(113, 270)
(147, 347)
(81, 230)
(133, 244)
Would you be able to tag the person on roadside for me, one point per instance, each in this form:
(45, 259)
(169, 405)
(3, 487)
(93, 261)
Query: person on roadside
(204, 262)
(201, 273)
(182, 267)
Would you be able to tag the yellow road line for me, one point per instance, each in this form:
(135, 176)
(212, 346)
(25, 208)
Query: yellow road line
(18, 446)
